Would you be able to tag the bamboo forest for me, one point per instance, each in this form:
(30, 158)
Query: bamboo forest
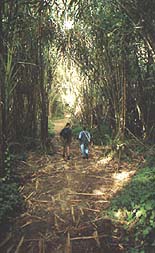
(87, 66)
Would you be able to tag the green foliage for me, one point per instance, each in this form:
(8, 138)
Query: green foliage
(101, 135)
(149, 156)
(51, 128)
(136, 205)
(11, 201)
(59, 112)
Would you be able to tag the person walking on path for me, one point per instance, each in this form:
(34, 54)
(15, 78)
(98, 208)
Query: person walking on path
(66, 137)
(84, 138)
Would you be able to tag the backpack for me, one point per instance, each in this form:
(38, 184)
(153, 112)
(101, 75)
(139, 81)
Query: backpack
(85, 138)
(65, 133)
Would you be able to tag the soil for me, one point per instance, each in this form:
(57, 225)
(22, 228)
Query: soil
(66, 202)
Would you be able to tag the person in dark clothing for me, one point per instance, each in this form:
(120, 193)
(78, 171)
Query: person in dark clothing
(66, 137)
(84, 138)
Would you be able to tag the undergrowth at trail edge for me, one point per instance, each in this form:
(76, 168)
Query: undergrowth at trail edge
(135, 207)
(11, 201)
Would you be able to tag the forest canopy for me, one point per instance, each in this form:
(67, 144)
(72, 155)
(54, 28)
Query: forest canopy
(107, 49)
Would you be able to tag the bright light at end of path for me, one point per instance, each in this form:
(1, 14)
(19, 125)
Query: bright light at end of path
(69, 97)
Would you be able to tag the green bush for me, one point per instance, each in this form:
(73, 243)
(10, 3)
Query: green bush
(11, 201)
(101, 135)
(136, 205)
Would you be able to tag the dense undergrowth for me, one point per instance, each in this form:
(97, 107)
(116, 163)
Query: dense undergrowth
(11, 201)
(135, 208)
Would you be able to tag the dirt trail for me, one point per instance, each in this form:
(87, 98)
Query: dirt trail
(66, 201)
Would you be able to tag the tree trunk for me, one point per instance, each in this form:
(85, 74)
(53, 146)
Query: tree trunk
(44, 96)
(2, 98)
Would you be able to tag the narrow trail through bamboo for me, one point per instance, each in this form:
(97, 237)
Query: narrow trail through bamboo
(65, 200)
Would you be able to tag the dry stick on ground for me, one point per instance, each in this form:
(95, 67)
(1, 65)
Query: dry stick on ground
(86, 194)
(26, 198)
(9, 250)
(19, 244)
(88, 237)
(73, 213)
(37, 217)
(41, 201)
(68, 248)
(59, 218)
(26, 224)
(32, 221)
(90, 209)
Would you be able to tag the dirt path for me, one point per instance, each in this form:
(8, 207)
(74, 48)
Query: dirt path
(66, 201)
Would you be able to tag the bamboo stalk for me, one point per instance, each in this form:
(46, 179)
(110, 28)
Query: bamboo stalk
(68, 244)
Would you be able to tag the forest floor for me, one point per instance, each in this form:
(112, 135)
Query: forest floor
(66, 202)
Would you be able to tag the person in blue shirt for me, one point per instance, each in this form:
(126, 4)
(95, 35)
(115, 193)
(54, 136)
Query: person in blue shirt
(84, 138)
